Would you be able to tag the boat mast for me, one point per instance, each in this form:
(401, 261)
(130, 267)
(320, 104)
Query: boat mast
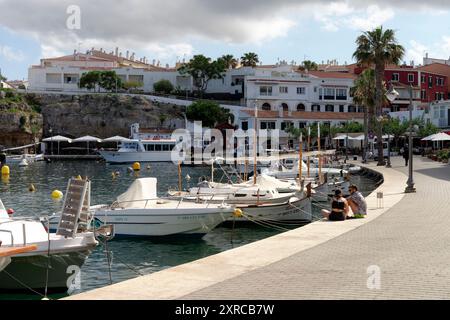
(255, 172)
(320, 155)
(300, 160)
(309, 149)
(179, 176)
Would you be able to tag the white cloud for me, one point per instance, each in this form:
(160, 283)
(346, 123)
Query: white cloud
(11, 54)
(373, 17)
(416, 52)
(165, 29)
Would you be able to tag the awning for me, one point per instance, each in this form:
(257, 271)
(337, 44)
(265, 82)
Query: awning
(87, 139)
(57, 139)
(117, 139)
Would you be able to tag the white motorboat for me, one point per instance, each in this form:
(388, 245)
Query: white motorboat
(280, 172)
(24, 159)
(68, 251)
(260, 201)
(140, 213)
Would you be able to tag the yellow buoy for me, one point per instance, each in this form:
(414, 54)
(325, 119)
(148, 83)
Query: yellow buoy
(238, 213)
(56, 194)
(79, 178)
(136, 166)
(32, 188)
(5, 171)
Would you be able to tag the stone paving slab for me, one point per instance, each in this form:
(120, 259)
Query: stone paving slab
(268, 269)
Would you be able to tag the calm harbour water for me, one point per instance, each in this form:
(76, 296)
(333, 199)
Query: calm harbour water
(131, 258)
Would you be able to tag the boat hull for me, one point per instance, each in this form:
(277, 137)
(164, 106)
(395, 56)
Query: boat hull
(165, 223)
(296, 210)
(31, 270)
(131, 157)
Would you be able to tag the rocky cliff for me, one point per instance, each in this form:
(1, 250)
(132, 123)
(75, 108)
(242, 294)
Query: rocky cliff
(75, 116)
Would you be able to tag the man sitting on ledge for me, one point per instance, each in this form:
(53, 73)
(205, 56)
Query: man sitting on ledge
(357, 202)
(339, 208)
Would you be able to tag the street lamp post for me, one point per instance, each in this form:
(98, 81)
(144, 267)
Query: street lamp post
(410, 184)
(389, 165)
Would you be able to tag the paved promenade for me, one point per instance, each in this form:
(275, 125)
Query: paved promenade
(408, 241)
(410, 244)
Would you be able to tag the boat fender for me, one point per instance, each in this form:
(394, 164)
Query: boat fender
(238, 213)
(10, 211)
(5, 171)
(32, 188)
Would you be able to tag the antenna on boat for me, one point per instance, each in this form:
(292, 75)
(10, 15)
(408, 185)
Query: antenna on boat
(320, 155)
(309, 149)
(300, 160)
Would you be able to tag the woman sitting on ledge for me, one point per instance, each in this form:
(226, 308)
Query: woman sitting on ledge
(339, 208)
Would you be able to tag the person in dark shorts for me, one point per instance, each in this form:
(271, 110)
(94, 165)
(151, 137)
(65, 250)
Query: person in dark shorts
(339, 208)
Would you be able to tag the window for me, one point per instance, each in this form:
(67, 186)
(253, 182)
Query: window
(158, 147)
(423, 95)
(329, 94)
(351, 109)
(284, 89)
(320, 93)
(341, 108)
(267, 125)
(150, 147)
(430, 82)
(244, 125)
(266, 106)
(315, 108)
(302, 125)
(423, 79)
(285, 107)
(410, 77)
(286, 125)
(301, 107)
(301, 90)
(341, 94)
(329, 108)
(265, 91)
(166, 147)
(395, 77)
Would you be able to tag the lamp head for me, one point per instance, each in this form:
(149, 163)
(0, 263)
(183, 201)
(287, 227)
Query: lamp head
(392, 94)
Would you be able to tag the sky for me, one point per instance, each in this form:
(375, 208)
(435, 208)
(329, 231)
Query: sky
(167, 31)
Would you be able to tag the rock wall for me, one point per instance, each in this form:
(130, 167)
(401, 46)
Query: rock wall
(75, 116)
(20, 123)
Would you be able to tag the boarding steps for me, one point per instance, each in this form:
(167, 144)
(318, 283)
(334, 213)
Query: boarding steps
(75, 212)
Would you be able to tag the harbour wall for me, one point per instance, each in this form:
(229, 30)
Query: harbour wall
(177, 282)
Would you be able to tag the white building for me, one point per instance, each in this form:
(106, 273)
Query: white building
(440, 114)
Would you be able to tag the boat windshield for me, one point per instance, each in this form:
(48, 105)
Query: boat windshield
(3, 213)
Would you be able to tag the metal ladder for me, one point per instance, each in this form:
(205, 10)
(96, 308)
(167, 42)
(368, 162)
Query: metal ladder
(75, 212)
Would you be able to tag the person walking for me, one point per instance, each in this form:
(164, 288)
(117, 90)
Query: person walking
(406, 155)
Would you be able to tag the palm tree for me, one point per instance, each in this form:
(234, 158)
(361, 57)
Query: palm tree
(250, 59)
(378, 48)
(308, 65)
(364, 95)
(230, 61)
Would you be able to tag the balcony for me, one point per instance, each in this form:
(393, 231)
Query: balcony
(444, 123)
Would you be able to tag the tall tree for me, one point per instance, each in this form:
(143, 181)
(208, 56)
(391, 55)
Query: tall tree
(209, 112)
(202, 70)
(230, 61)
(378, 48)
(250, 59)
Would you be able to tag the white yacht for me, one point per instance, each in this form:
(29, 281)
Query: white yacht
(28, 269)
(141, 151)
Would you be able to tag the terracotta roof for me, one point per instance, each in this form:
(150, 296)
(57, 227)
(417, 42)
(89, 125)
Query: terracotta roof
(306, 115)
(331, 75)
(77, 57)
